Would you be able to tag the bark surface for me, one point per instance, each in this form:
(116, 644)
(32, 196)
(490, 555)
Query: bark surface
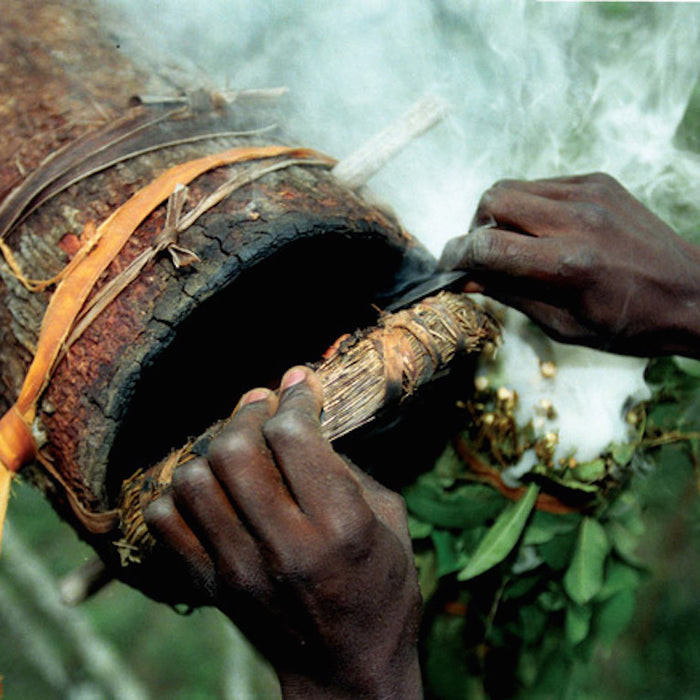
(286, 263)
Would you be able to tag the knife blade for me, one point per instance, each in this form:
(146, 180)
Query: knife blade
(426, 286)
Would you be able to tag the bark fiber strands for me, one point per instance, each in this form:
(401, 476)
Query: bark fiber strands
(362, 375)
(385, 365)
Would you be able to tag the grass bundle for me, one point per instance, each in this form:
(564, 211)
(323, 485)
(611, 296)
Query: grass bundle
(362, 374)
(380, 367)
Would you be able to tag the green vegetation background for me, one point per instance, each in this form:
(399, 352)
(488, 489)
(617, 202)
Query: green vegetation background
(133, 648)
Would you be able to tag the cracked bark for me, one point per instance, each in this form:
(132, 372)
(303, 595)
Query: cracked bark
(288, 262)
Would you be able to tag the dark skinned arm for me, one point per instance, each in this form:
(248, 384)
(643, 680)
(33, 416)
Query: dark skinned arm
(307, 555)
(587, 262)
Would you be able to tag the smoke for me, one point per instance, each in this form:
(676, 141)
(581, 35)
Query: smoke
(535, 89)
(589, 394)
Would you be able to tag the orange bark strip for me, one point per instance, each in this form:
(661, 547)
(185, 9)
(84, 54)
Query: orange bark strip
(17, 445)
(74, 289)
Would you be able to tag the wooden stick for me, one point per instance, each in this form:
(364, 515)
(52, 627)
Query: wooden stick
(355, 170)
(77, 586)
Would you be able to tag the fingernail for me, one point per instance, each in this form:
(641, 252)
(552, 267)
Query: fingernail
(296, 375)
(473, 287)
(253, 396)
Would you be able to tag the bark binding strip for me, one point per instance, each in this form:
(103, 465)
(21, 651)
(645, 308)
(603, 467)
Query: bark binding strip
(65, 309)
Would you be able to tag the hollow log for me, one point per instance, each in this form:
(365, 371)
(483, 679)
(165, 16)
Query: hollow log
(278, 259)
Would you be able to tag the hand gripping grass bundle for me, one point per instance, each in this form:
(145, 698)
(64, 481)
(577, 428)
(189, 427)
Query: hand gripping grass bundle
(363, 375)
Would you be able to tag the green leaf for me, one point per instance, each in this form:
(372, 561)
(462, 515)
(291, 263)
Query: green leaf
(502, 536)
(627, 511)
(552, 600)
(584, 577)
(418, 529)
(449, 558)
(448, 465)
(520, 586)
(557, 552)
(426, 563)
(578, 623)
(626, 542)
(590, 471)
(544, 527)
(446, 669)
(620, 577)
(533, 622)
(688, 365)
(568, 482)
(615, 616)
(462, 508)
(622, 452)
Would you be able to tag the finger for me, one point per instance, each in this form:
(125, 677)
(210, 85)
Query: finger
(556, 321)
(520, 264)
(168, 527)
(244, 466)
(206, 509)
(318, 478)
(236, 554)
(517, 209)
(388, 506)
(301, 391)
(254, 396)
(562, 189)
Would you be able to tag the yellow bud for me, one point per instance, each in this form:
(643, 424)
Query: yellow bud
(548, 369)
(481, 383)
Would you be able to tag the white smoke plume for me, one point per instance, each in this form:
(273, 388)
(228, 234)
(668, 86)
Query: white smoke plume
(535, 89)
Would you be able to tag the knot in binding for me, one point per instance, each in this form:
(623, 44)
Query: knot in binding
(17, 444)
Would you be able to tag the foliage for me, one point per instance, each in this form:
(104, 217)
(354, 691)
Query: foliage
(524, 585)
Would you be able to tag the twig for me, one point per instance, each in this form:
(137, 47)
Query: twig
(355, 170)
(82, 583)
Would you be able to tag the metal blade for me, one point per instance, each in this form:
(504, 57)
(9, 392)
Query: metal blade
(433, 284)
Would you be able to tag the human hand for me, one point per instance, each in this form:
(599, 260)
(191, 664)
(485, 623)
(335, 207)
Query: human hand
(307, 555)
(587, 262)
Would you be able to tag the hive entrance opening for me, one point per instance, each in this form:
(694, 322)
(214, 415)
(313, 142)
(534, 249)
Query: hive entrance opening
(282, 311)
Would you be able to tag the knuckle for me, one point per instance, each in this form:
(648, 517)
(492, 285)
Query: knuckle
(601, 186)
(351, 530)
(159, 512)
(339, 542)
(193, 478)
(488, 198)
(481, 250)
(577, 265)
(491, 203)
(298, 560)
(603, 179)
(349, 536)
(593, 216)
(231, 448)
(290, 427)
(504, 183)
